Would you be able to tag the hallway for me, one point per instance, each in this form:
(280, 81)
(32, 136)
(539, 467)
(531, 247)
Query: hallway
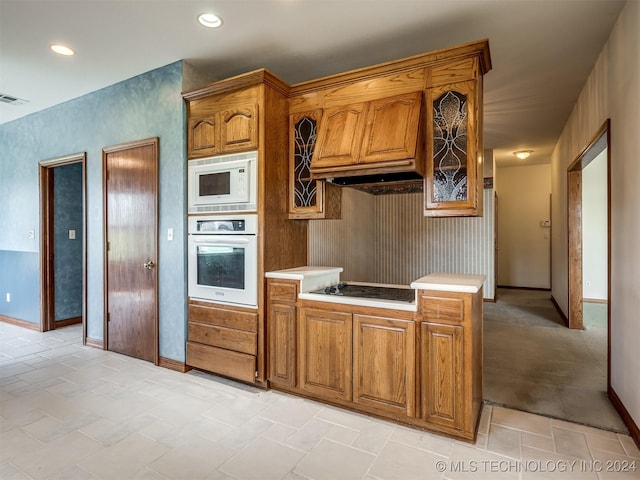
(532, 362)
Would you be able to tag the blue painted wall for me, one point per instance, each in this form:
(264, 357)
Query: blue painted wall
(19, 277)
(67, 252)
(149, 105)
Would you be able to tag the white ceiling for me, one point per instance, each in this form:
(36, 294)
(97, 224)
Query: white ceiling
(542, 50)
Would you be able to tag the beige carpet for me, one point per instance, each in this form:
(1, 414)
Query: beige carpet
(532, 362)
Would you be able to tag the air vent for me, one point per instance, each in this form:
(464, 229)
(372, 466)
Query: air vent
(11, 100)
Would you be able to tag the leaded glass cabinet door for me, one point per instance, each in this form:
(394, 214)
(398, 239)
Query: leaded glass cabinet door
(308, 198)
(453, 181)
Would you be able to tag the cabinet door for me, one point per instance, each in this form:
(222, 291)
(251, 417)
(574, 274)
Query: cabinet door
(308, 198)
(203, 134)
(340, 136)
(384, 364)
(325, 353)
(442, 387)
(238, 130)
(453, 183)
(282, 339)
(391, 131)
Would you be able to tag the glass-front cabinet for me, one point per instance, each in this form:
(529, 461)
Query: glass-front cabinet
(308, 198)
(453, 181)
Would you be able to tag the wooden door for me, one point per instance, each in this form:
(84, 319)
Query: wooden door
(442, 387)
(203, 135)
(384, 364)
(453, 180)
(282, 351)
(340, 136)
(130, 174)
(238, 129)
(391, 131)
(325, 353)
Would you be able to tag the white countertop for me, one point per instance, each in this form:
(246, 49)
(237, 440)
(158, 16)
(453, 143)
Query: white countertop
(301, 273)
(310, 277)
(450, 282)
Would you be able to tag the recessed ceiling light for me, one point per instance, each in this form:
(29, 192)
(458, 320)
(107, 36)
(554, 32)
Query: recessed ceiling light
(209, 20)
(62, 50)
(523, 154)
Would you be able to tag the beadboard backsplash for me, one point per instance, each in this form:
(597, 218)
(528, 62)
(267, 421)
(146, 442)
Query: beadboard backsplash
(386, 239)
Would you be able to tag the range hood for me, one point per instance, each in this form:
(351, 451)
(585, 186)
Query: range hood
(382, 183)
(381, 141)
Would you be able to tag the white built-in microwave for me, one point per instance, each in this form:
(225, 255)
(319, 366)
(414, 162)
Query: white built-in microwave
(226, 183)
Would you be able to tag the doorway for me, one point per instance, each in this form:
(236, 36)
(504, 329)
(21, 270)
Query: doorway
(589, 231)
(63, 242)
(130, 176)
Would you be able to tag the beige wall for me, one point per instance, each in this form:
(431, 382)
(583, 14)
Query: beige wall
(387, 239)
(524, 254)
(611, 91)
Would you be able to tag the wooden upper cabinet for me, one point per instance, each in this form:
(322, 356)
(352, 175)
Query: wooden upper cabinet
(203, 134)
(220, 131)
(238, 129)
(308, 198)
(340, 136)
(379, 136)
(454, 175)
(391, 129)
(384, 364)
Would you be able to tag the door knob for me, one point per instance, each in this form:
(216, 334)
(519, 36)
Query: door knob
(149, 265)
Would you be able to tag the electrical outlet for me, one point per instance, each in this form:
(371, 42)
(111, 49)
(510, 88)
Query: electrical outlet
(72, 234)
(169, 234)
(8, 297)
(587, 284)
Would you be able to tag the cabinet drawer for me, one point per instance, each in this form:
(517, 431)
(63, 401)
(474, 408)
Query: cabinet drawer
(225, 362)
(435, 309)
(283, 292)
(229, 338)
(224, 317)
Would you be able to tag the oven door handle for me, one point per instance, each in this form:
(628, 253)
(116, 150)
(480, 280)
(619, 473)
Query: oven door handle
(222, 241)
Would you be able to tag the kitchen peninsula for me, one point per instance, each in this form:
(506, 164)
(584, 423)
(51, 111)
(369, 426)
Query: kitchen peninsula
(412, 354)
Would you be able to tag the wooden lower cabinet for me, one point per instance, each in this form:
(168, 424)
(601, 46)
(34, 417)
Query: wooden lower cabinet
(421, 368)
(282, 343)
(384, 364)
(325, 353)
(223, 339)
(442, 379)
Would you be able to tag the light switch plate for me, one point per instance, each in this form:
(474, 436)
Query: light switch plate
(72, 234)
(169, 234)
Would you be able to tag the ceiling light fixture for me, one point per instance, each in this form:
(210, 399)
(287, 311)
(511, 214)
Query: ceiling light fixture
(209, 20)
(523, 154)
(62, 50)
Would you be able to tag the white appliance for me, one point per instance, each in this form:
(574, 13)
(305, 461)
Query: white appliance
(226, 183)
(223, 259)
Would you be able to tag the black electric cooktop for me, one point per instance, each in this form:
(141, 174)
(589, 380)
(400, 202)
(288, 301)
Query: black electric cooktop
(369, 291)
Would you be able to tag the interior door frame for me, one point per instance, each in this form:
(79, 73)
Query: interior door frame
(154, 141)
(574, 225)
(47, 292)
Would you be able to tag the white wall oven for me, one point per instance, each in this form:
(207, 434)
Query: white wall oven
(226, 183)
(223, 259)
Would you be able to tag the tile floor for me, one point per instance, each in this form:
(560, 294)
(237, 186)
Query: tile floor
(74, 412)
